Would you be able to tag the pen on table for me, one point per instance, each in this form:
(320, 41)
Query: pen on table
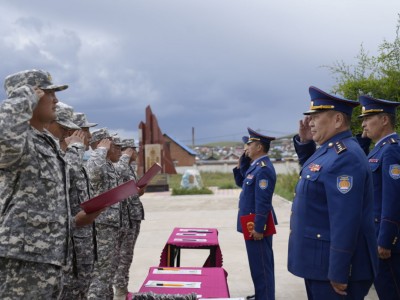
(170, 269)
(169, 284)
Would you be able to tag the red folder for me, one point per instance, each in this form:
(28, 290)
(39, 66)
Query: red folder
(247, 222)
(149, 175)
(110, 197)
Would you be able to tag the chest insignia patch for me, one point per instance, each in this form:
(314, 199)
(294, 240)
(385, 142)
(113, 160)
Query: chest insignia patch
(344, 183)
(394, 171)
(373, 160)
(314, 167)
(263, 184)
(250, 176)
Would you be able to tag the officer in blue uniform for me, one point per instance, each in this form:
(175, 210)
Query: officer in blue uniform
(378, 124)
(256, 198)
(332, 242)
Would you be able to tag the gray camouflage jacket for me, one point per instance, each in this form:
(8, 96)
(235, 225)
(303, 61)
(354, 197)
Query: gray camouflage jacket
(34, 206)
(103, 177)
(84, 239)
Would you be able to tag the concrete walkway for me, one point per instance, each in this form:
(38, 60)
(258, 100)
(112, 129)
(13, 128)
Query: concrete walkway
(163, 212)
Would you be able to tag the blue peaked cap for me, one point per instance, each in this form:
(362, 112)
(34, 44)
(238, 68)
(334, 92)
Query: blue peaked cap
(255, 136)
(372, 106)
(245, 139)
(321, 101)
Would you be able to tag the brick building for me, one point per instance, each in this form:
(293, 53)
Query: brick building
(181, 154)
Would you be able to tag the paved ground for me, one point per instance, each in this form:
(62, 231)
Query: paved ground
(164, 212)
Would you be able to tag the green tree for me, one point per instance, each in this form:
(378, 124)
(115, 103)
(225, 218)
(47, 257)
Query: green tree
(377, 76)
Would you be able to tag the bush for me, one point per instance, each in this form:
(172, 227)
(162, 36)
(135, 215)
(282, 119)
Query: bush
(194, 191)
(286, 184)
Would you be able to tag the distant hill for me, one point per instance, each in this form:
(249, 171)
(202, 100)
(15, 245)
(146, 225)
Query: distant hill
(238, 143)
(221, 144)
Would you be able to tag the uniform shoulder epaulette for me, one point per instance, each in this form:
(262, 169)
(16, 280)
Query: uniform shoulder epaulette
(263, 164)
(393, 141)
(340, 147)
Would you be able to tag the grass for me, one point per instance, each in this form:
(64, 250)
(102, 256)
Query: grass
(284, 187)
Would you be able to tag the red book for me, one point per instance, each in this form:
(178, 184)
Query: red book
(149, 175)
(247, 222)
(110, 197)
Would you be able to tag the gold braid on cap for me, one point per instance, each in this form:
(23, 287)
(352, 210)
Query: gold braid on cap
(369, 111)
(253, 139)
(316, 107)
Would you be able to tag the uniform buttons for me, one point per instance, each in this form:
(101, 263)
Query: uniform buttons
(376, 220)
(330, 144)
(308, 176)
(318, 235)
(300, 177)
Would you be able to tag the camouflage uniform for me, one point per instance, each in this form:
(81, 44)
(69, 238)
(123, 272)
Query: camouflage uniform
(78, 274)
(34, 205)
(134, 214)
(103, 177)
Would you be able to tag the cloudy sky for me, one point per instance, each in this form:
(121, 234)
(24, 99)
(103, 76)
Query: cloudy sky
(219, 66)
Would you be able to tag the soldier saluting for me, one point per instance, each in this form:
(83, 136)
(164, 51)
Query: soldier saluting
(35, 221)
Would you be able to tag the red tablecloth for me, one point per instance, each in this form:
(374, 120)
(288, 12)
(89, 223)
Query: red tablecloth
(211, 238)
(213, 282)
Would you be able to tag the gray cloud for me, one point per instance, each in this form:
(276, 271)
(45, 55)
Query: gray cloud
(219, 66)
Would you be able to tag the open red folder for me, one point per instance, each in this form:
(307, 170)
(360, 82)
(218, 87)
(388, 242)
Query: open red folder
(110, 197)
(247, 222)
(154, 169)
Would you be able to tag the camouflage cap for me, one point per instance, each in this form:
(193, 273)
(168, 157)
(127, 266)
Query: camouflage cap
(39, 78)
(65, 114)
(116, 140)
(128, 143)
(80, 120)
(100, 134)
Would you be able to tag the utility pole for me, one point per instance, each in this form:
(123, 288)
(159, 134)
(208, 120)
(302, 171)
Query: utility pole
(192, 137)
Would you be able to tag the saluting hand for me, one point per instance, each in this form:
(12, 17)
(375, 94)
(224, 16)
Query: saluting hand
(39, 92)
(105, 143)
(339, 288)
(305, 130)
(77, 137)
(128, 151)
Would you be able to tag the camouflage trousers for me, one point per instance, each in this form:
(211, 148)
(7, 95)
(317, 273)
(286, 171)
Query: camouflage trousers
(76, 287)
(126, 244)
(21, 279)
(104, 268)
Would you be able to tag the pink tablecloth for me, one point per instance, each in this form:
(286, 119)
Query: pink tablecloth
(213, 283)
(211, 240)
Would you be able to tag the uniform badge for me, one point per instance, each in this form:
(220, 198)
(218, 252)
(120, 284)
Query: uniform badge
(394, 171)
(314, 167)
(373, 160)
(250, 176)
(344, 183)
(263, 184)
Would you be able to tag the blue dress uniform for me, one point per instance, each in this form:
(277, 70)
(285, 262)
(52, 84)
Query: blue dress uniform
(256, 198)
(331, 227)
(384, 161)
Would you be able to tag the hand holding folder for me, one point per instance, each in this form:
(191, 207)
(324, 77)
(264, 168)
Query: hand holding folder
(119, 193)
(247, 223)
(148, 176)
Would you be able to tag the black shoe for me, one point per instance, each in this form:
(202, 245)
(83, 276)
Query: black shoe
(251, 297)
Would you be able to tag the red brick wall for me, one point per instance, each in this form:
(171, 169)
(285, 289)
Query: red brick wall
(179, 155)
